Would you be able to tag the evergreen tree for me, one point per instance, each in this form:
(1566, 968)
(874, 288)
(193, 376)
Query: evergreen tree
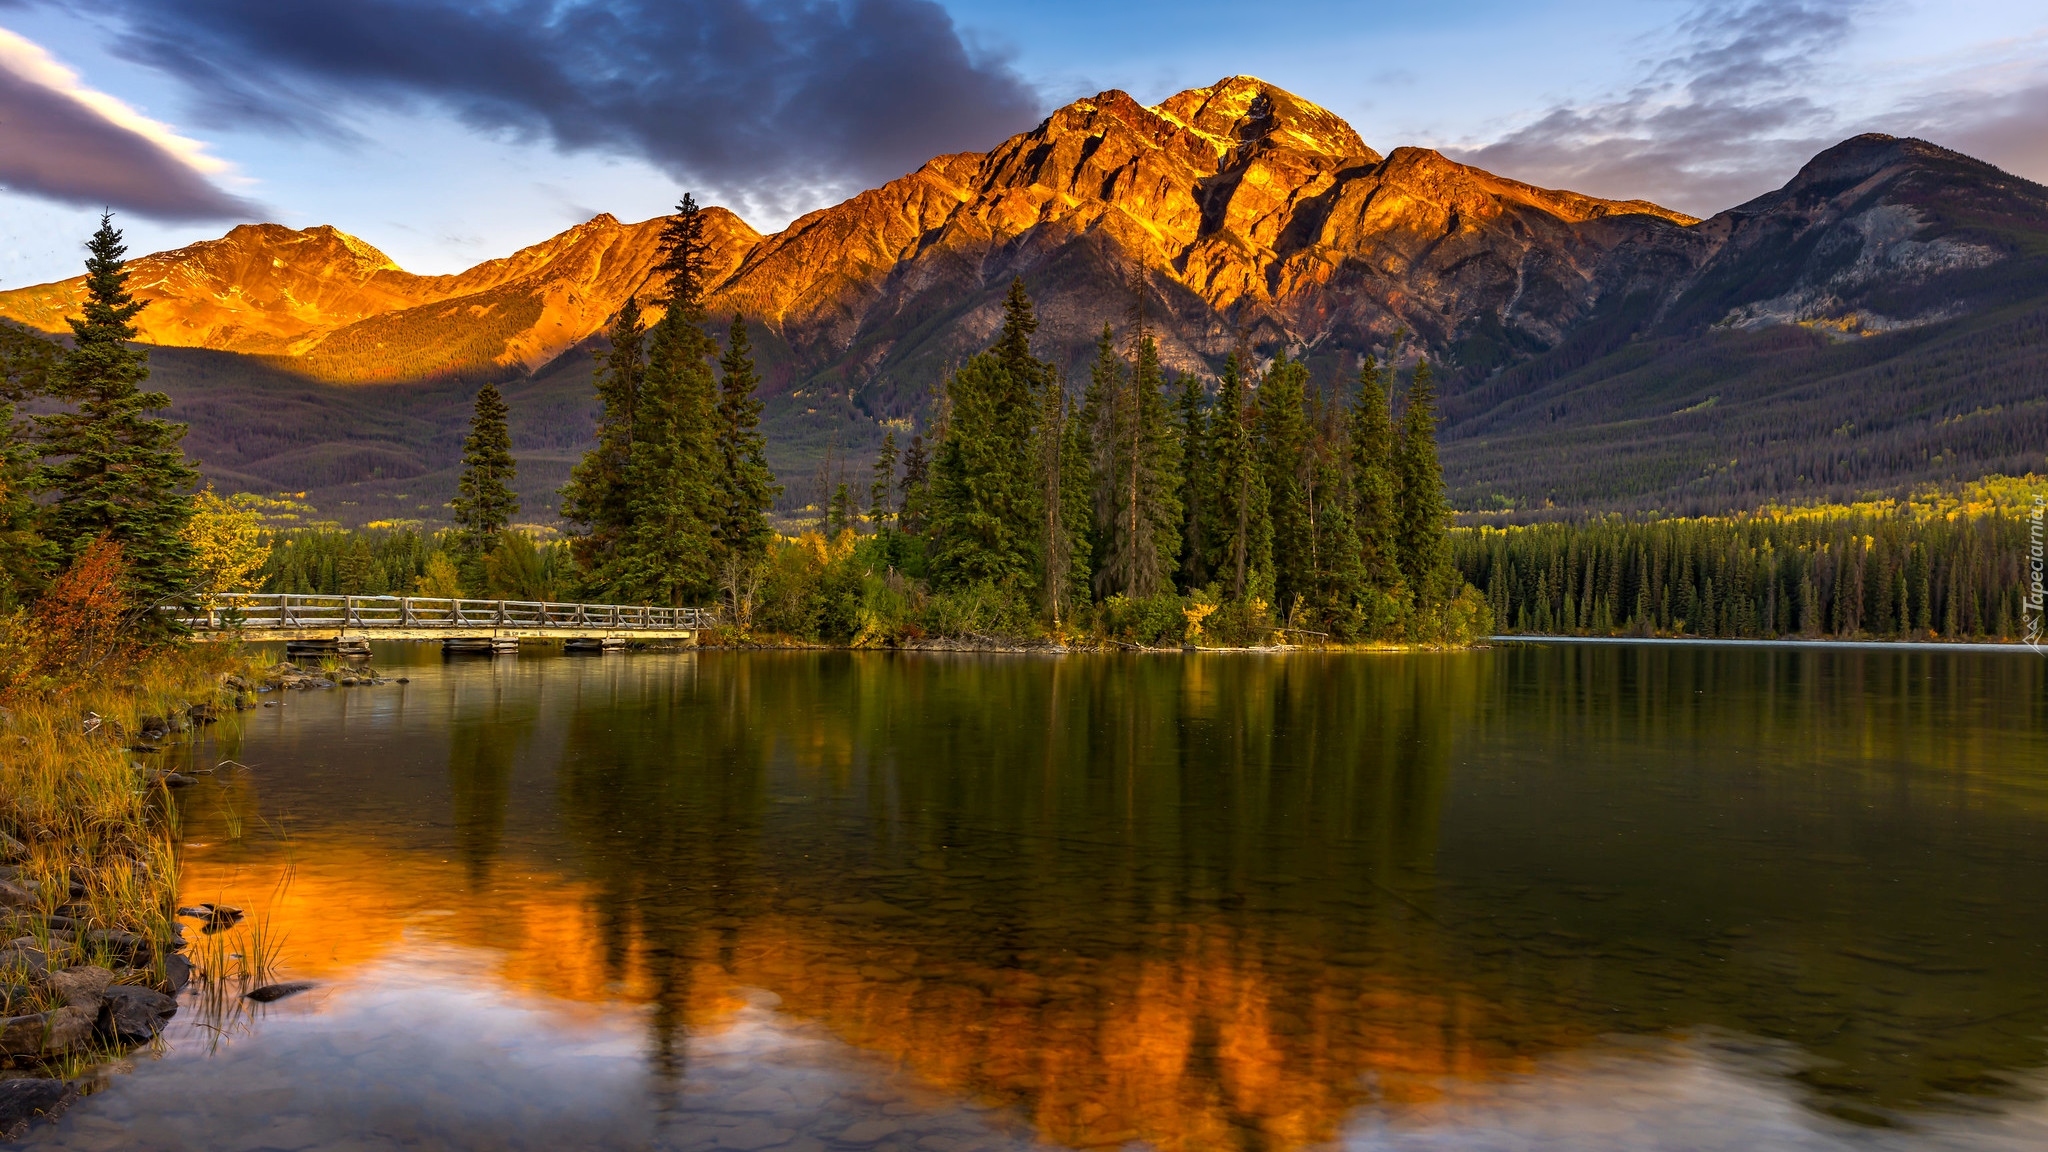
(684, 256)
(1284, 450)
(26, 363)
(880, 508)
(1338, 581)
(745, 487)
(915, 486)
(839, 517)
(1060, 453)
(114, 470)
(1422, 514)
(1372, 476)
(984, 496)
(597, 499)
(1137, 473)
(1243, 524)
(1196, 479)
(484, 501)
(982, 503)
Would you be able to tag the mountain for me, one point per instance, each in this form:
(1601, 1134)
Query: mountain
(1880, 320)
(1868, 324)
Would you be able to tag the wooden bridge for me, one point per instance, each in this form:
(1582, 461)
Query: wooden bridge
(345, 622)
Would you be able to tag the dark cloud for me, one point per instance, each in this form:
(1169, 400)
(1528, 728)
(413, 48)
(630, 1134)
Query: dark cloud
(767, 100)
(1715, 122)
(56, 146)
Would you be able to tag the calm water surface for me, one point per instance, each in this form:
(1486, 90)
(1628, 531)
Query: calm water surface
(1536, 897)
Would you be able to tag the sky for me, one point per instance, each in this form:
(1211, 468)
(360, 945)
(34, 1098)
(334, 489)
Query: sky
(447, 132)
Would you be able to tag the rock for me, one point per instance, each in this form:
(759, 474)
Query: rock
(130, 1014)
(234, 682)
(80, 987)
(177, 972)
(25, 1100)
(126, 947)
(214, 916)
(22, 960)
(202, 713)
(176, 780)
(12, 994)
(152, 727)
(69, 1027)
(271, 993)
(12, 849)
(17, 895)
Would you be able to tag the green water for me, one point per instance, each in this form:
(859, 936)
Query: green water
(1539, 896)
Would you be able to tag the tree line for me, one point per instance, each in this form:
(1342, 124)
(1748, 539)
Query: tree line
(1843, 572)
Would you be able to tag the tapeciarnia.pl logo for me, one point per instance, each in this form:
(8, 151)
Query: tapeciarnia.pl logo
(2037, 566)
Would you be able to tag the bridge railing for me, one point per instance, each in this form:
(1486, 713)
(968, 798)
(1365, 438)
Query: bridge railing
(370, 613)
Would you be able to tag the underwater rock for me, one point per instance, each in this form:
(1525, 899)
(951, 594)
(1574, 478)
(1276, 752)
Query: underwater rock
(270, 993)
(26, 1099)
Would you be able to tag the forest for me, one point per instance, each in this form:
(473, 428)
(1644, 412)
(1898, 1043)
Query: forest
(1936, 566)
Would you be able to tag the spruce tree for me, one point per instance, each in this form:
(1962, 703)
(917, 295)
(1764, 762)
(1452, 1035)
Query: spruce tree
(839, 517)
(983, 507)
(746, 488)
(1284, 448)
(1422, 514)
(113, 470)
(916, 482)
(1059, 452)
(1195, 468)
(26, 364)
(597, 500)
(1338, 581)
(1372, 476)
(484, 501)
(880, 507)
(1137, 464)
(1243, 524)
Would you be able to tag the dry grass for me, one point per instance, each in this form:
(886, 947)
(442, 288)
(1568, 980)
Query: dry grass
(70, 791)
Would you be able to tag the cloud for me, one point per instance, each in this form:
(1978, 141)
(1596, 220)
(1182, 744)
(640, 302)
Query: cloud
(1720, 118)
(761, 101)
(62, 141)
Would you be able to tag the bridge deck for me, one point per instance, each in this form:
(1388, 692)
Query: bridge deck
(291, 616)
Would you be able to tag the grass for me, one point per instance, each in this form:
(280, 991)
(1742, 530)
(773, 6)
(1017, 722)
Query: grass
(70, 792)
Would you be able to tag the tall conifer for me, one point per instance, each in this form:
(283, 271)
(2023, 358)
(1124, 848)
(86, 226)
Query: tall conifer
(597, 500)
(1284, 449)
(1196, 467)
(1243, 524)
(1137, 463)
(1372, 476)
(915, 487)
(484, 501)
(746, 488)
(1422, 514)
(115, 471)
(983, 501)
(26, 362)
(883, 485)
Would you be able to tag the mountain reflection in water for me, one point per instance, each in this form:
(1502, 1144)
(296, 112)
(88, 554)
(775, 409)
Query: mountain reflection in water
(1533, 896)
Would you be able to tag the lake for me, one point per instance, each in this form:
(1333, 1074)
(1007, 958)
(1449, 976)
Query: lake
(1538, 896)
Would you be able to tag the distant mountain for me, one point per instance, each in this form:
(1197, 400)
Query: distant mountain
(1598, 352)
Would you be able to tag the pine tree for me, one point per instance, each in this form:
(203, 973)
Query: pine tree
(597, 499)
(915, 486)
(839, 517)
(1372, 476)
(1243, 524)
(983, 505)
(880, 508)
(745, 487)
(114, 470)
(1422, 515)
(1060, 453)
(1284, 449)
(684, 256)
(668, 553)
(1137, 470)
(1338, 582)
(26, 364)
(1195, 471)
(484, 501)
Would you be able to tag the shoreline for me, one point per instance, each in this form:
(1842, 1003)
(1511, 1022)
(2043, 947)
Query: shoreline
(1740, 642)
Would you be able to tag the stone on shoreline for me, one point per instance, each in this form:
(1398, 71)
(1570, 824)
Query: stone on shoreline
(25, 1099)
(22, 960)
(80, 987)
(12, 849)
(270, 993)
(132, 1014)
(13, 895)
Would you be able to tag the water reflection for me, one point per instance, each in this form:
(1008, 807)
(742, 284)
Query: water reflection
(1593, 896)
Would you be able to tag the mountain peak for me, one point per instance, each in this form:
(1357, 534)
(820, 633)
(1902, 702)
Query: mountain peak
(1243, 112)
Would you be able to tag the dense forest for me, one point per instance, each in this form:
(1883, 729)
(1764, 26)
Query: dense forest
(1930, 568)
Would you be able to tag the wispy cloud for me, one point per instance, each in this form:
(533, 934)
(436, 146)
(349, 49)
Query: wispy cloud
(1725, 113)
(63, 141)
(761, 101)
